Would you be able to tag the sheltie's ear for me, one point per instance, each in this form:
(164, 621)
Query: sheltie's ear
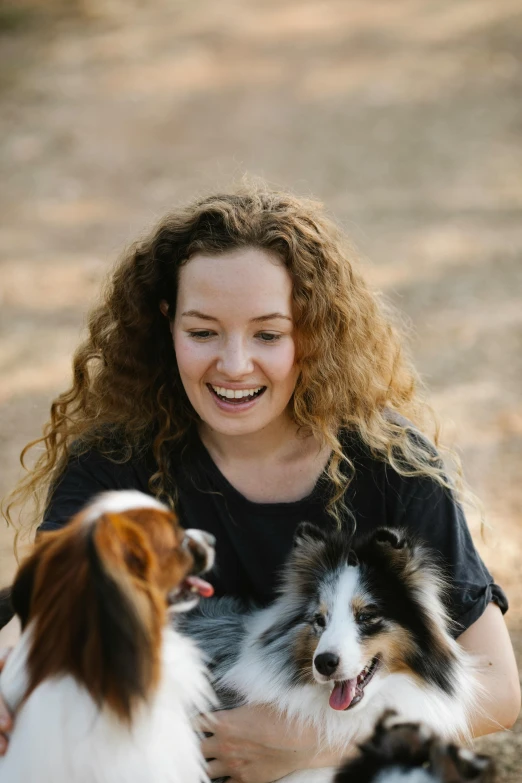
(395, 538)
(306, 533)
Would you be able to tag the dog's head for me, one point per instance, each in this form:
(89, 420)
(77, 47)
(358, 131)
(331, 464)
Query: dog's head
(366, 610)
(96, 594)
(401, 752)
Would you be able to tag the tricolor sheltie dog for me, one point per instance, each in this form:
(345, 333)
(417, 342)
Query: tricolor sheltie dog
(102, 688)
(410, 753)
(353, 632)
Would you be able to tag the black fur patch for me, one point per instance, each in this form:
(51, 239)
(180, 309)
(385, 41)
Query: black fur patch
(383, 569)
(404, 747)
(7, 611)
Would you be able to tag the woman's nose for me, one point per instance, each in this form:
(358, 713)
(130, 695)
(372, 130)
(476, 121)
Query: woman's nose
(235, 359)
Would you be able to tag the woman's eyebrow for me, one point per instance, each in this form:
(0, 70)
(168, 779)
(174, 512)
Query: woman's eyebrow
(270, 317)
(197, 314)
(204, 317)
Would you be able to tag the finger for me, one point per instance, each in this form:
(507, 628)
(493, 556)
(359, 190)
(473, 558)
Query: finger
(204, 723)
(6, 721)
(216, 769)
(209, 748)
(4, 652)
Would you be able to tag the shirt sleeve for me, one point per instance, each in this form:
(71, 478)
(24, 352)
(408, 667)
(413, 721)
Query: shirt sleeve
(84, 477)
(432, 513)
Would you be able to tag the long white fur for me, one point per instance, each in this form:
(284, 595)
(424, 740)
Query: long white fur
(116, 502)
(261, 680)
(62, 737)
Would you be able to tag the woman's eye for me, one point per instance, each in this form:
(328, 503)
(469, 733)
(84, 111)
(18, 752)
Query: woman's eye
(320, 621)
(201, 334)
(269, 337)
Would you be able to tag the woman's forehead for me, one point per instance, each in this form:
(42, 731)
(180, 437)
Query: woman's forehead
(249, 280)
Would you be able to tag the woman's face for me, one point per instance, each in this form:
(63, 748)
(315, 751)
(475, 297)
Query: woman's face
(234, 339)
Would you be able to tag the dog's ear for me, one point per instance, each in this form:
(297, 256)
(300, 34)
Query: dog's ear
(122, 546)
(306, 533)
(394, 538)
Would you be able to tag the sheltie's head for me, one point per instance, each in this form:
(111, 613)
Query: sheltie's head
(357, 614)
(95, 595)
(401, 752)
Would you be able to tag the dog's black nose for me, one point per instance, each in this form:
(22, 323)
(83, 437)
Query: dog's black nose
(201, 546)
(326, 663)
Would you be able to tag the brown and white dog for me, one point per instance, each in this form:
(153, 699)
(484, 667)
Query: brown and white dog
(101, 684)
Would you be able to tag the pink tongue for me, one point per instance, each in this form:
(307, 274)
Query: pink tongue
(342, 694)
(205, 589)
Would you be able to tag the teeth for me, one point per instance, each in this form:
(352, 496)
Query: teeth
(235, 394)
(365, 672)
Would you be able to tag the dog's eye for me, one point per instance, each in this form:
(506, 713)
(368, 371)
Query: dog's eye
(367, 618)
(369, 615)
(320, 621)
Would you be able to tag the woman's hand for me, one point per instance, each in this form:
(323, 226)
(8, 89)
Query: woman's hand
(253, 744)
(6, 722)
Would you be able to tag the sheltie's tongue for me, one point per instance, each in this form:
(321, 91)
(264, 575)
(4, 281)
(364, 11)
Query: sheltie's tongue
(343, 694)
(198, 585)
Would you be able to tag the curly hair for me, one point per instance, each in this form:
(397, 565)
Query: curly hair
(354, 372)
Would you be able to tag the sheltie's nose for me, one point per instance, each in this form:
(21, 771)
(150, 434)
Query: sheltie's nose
(326, 663)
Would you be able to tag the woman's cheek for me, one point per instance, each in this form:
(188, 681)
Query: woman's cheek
(282, 366)
(192, 358)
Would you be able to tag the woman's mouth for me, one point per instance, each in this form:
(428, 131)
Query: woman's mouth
(235, 398)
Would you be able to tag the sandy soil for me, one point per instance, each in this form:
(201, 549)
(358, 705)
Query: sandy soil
(404, 117)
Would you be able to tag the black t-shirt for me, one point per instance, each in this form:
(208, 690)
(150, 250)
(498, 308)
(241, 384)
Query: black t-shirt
(254, 539)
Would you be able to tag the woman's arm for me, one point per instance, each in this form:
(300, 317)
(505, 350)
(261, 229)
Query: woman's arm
(488, 640)
(253, 744)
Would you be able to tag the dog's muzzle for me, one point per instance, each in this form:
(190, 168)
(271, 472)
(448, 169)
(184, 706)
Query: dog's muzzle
(201, 546)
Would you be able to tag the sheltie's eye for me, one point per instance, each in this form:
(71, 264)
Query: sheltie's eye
(320, 621)
(368, 615)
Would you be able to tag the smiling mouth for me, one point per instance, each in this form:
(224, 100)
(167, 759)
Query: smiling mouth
(236, 396)
(347, 693)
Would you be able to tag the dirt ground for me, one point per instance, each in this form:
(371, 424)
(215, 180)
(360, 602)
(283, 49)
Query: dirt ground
(403, 116)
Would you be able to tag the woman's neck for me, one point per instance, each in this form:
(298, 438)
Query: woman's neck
(280, 465)
(277, 442)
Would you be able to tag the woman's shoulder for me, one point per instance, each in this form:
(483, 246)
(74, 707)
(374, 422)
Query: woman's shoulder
(356, 448)
(91, 467)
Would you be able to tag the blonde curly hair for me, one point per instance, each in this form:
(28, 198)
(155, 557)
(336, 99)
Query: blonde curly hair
(354, 372)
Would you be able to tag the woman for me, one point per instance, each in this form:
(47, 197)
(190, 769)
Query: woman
(240, 368)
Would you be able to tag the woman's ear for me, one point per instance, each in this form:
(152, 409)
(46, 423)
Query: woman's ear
(164, 307)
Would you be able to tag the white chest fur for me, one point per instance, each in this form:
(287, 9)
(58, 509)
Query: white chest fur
(60, 735)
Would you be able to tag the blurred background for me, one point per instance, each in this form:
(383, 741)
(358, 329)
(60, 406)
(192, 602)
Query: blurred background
(403, 116)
